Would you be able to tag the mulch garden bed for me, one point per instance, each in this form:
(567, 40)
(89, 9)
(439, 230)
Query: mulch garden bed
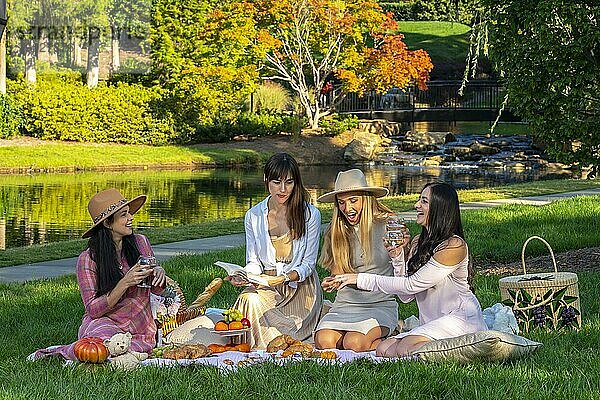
(582, 260)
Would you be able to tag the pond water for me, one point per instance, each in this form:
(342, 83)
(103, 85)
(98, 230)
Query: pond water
(53, 207)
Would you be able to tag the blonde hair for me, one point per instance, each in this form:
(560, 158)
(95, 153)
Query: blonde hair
(336, 255)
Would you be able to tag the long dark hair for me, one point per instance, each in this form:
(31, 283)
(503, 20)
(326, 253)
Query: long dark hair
(280, 166)
(104, 253)
(443, 222)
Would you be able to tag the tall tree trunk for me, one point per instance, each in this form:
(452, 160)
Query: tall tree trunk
(115, 46)
(93, 59)
(43, 53)
(2, 234)
(3, 67)
(76, 52)
(29, 51)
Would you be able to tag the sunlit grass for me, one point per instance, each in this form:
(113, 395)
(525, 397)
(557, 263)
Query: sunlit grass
(48, 312)
(445, 42)
(84, 156)
(565, 224)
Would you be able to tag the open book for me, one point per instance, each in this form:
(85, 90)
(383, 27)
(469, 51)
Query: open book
(239, 271)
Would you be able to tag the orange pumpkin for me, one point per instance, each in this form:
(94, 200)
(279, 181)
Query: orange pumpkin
(90, 350)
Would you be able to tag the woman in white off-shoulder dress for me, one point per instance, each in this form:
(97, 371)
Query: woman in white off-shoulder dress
(436, 274)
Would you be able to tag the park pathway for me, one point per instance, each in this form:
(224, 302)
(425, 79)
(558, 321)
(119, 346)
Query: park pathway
(66, 266)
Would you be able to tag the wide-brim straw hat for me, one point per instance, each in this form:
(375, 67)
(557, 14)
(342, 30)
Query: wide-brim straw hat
(353, 180)
(106, 203)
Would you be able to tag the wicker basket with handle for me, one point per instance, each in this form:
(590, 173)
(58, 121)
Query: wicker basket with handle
(546, 300)
(187, 312)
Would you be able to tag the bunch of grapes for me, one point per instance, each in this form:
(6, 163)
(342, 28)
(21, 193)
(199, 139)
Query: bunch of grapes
(539, 315)
(232, 314)
(568, 315)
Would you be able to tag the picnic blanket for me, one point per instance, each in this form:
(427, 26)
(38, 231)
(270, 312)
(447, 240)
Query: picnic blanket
(231, 360)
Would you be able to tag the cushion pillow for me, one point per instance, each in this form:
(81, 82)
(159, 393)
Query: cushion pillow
(484, 345)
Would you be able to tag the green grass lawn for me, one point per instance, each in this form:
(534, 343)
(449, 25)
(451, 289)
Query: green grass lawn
(446, 42)
(43, 313)
(87, 156)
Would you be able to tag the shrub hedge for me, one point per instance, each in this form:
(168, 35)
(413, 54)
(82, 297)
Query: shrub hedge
(11, 117)
(338, 123)
(255, 125)
(60, 107)
(431, 10)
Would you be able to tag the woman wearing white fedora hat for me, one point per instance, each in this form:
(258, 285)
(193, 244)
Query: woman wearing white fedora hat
(436, 273)
(108, 274)
(358, 320)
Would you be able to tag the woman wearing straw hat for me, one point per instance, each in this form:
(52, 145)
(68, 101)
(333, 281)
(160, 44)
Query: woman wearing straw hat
(437, 275)
(108, 274)
(282, 243)
(358, 320)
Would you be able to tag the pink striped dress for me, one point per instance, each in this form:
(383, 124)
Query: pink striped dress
(131, 314)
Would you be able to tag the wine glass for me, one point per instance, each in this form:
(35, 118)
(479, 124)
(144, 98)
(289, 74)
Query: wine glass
(394, 230)
(148, 262)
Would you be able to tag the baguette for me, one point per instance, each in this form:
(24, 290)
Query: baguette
(208, 293)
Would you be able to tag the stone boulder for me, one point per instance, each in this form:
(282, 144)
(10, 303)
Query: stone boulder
(381, 127)
(365, 147)
(431, 138)
(484, 149)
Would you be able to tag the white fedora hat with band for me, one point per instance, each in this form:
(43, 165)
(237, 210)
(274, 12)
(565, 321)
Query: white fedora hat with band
(353, 180)
(106, 203)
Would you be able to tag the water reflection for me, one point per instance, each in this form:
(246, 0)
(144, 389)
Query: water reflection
(53, 207)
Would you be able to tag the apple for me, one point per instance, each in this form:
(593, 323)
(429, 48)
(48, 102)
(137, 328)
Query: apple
(245, 322)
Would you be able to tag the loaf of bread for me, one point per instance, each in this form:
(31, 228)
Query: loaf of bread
(289, 345)
(207, 294)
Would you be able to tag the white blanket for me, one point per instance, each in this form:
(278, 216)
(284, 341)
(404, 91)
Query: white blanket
(231, 360)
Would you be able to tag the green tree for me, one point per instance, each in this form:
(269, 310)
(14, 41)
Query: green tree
(24, 16)
(548, 53)
(130, 15)
(208, 63)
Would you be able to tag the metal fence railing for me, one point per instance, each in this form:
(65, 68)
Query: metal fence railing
(478, 95)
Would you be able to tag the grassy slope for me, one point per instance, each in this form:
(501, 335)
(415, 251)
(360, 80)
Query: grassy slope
(445, 42)
(83, 156)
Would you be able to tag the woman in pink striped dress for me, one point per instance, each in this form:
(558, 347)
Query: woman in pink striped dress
(108, 274)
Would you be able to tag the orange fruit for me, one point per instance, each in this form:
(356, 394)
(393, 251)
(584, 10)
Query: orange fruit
(236, 325)
(221, 326)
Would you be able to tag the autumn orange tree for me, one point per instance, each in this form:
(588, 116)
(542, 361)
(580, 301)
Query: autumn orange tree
(306, 43)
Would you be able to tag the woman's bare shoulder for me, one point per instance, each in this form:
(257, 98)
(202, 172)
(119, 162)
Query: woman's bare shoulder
(451, 252)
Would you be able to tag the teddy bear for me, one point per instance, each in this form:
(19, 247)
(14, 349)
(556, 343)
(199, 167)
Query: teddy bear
(120, 355)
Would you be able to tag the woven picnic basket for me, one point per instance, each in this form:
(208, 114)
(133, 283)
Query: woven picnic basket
(546, 300)
(185, 313)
